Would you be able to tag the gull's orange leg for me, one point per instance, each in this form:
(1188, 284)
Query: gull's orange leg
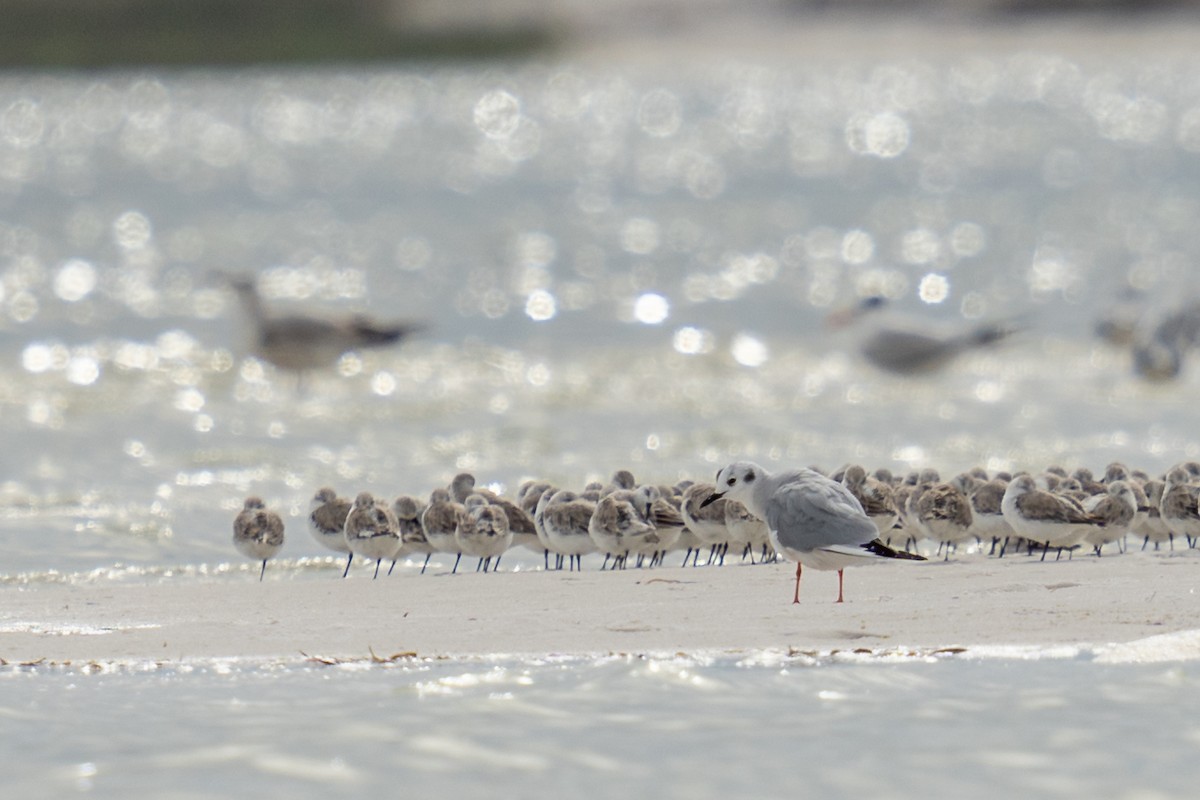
(796, 598)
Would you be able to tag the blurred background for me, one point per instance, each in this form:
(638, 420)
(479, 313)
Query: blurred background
(645, 235)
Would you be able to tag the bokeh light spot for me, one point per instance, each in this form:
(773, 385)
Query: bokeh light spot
(749, 351)
(75, 280)
(933, 288)
(541, 306)
(651, 308)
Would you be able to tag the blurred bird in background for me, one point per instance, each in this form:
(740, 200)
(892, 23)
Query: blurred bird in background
(300, 342)
(909, 345)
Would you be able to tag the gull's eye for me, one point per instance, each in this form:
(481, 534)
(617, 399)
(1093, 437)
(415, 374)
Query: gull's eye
(731, 482)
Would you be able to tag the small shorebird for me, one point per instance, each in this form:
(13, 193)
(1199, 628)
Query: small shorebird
(987, 518)
(440, 521)
(408, 512)
(327, 522)
(1179, 508)
(257, 532)
(706, 521)
(1044, 518)
(745, 527)
(565, 518)
(1117, 507)
(944, 512)
(621, 479)
(813, 520)
(524, 532)
(483, 531)
(302, 342)
(874, 496)
(1152, 527)
(667, 520)
(620, 525)
(372, 530)
(539, 524)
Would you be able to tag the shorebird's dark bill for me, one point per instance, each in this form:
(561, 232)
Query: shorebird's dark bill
(712, 498)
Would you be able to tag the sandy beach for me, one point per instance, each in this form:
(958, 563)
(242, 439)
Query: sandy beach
(972, 602)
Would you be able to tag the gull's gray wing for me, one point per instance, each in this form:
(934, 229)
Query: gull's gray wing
(813, 512)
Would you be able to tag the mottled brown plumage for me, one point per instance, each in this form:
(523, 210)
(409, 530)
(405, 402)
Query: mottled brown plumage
(257, 532)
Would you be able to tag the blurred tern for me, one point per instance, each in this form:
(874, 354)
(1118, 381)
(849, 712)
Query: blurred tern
(303, 342)
(912, 346)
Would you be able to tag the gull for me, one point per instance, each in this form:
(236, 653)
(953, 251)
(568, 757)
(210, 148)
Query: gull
(813, 520)
(372, 530)
(257, 532)
(327, 522)
(303, 342)
(912, 346)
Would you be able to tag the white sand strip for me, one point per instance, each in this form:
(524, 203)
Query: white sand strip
(971, 602)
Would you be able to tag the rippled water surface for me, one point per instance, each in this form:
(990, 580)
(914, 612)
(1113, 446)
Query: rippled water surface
(675, 728)
(620, 265)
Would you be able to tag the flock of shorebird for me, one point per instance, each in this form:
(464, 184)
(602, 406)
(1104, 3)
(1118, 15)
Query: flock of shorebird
(824, 522)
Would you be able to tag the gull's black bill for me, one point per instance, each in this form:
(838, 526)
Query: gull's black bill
(712, 498)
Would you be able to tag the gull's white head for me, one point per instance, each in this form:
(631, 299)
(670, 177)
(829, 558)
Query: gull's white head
(736, 481)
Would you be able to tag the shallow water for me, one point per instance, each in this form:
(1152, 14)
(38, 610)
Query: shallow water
(681, 727)
(621, 265)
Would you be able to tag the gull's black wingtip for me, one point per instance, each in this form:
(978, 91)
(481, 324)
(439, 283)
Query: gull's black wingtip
(877, 547)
